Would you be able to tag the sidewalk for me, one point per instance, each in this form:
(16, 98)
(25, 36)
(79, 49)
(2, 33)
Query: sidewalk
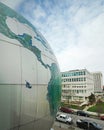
(87, 107)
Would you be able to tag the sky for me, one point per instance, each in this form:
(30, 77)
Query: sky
(73, 28)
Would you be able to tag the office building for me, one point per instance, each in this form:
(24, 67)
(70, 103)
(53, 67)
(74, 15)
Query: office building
(98, 82)
(77, 85)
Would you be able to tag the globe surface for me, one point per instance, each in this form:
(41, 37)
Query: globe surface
(30, 85)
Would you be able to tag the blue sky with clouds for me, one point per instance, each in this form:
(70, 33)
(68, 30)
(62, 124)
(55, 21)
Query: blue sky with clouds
(73, 28)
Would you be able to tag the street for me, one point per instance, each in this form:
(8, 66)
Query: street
(74, 126)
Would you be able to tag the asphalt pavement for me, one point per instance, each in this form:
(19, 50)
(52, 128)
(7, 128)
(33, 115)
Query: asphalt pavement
(62, 126)
(67, 128)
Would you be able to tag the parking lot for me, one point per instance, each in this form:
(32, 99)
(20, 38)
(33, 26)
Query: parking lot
(62, 126)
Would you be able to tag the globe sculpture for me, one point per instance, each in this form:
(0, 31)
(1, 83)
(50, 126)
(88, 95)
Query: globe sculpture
(30, 84)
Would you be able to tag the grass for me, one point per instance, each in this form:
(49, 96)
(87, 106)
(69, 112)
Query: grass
(72, 106)
(99, 108)
(77, 107)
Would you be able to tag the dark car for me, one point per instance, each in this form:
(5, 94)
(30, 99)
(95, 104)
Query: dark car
(66, 110)
(102, 117)
(82, 113)
(88, 125)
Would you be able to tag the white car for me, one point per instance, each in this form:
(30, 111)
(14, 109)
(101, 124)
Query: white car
(64, 118)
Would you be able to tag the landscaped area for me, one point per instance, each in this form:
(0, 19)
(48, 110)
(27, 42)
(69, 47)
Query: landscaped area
(73, 106)
(77, 107)
(98, 108)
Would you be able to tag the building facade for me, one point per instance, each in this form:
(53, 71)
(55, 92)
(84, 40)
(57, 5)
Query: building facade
(98, 82)
(30, 83)
(77, 85)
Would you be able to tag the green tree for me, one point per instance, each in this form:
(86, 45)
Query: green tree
(92, 98)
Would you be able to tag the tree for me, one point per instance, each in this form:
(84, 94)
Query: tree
(92, 98)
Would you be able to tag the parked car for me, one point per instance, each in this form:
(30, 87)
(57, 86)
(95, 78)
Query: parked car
(64, 118)
(88, 125)
(82, 113)
(102, 117)
(66, 110)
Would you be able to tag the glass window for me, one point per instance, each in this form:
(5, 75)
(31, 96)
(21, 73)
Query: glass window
(79, 73)
(77, 91)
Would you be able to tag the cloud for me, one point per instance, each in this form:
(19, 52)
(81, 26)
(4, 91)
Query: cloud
(74, 29)
(38, 12)
(92, 32)
(88, 51)
(75, 33)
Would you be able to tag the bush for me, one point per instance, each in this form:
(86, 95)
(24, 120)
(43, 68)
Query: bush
(99, 101)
